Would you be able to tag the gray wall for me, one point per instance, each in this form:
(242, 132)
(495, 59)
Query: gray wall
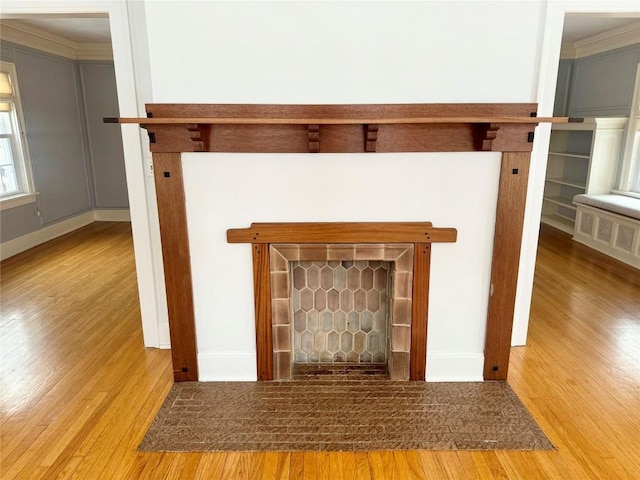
(598, 85)
(78, 164)
(105, 141)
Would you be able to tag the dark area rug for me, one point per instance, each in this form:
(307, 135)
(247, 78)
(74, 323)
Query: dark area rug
(347, 415)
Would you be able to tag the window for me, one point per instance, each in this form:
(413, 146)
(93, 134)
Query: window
(16, 185)
(630, 172)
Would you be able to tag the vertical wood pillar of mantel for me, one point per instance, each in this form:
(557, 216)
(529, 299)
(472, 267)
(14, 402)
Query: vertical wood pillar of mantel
(176, 258)
(262, 295)
(514, 175)
(420, 310)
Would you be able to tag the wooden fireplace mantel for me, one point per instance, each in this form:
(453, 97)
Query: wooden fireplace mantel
(502, 127)
(356, 234)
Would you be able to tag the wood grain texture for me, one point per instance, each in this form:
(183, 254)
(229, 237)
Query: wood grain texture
(342, 128)
(420, 310)
(342, 232)
(512, 193)
(262, 298)
(177, 264)
(79, 389)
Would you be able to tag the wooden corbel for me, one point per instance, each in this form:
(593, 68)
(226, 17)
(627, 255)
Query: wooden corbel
(314, 138)
(199, 135)
(371, 137)
(490, 134)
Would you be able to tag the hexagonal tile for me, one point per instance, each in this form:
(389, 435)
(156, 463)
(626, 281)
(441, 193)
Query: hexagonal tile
(353, 278)
(340, 321)
(339, 278)
(306, 341)
(320, 341)
(326, 321)
(295, 299)
(353, 322)
(366, 357)
(326, 356)
(300, 321)
(300, 357)
(361, 264)
(352, 357)
(320, 299)
(380, 321)
(378, 357)
(313, 320)
(366, 321)
(339, 357)
(360, 342)
(359, 300)
(306, 299)
(333, 342)
(299, 278)
(367, 279)
(380, 279)
(373, 300)
(373, 342)
(326, 277)
(346, 300)
(346, 341)
(333, 300)
(314, 357)
(296, 341)
(313, 277)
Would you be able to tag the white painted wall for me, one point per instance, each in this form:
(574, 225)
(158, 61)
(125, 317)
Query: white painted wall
(342, 52)
(231, 191)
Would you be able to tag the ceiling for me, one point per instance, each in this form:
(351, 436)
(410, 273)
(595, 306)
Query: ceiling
(579, 27)
(78, 29)
(95, 28)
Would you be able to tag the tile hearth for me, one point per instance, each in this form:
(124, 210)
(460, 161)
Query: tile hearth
(342, 414)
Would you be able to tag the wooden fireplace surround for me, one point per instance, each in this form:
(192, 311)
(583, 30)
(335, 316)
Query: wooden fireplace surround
(176, 128)
(420, 234)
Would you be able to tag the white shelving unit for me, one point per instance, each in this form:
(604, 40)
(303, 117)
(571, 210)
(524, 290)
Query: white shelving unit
(583, 158)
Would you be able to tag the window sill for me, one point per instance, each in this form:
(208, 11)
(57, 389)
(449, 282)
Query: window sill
(17, 200)
(627, 193)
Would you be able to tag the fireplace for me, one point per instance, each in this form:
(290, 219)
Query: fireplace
(177, 128)
(336, 306)
(347, 301)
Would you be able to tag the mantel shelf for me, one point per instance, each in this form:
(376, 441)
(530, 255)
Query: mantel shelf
(341, 128)
(335, 121)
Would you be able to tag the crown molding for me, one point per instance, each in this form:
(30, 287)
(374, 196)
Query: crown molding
(618, 37)
(41, 40)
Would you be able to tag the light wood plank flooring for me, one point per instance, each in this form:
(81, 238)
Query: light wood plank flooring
(78, 389)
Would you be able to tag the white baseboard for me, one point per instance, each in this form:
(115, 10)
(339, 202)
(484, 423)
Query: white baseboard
(33, 239)
(455, 367)
(227, 367)
(241, 367)
(113, 215)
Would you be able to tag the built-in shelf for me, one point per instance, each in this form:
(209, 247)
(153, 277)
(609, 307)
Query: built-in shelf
(583, 158)
(571, 154)
(558, 221)
(563, 202)
(570, 182)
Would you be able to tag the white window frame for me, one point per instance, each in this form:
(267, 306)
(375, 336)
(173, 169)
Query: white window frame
(630, 172)
(27, 193)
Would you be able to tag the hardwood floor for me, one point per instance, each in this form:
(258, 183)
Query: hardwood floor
(78, 389)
